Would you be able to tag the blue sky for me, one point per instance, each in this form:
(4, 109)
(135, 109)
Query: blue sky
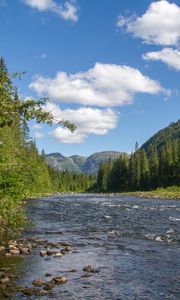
(111, 67)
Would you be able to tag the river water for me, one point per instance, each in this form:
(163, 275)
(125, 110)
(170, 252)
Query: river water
(134, 243)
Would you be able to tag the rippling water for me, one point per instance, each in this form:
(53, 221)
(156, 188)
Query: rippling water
(133, 242)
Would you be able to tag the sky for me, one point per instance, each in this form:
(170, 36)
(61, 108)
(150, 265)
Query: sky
(111, 67)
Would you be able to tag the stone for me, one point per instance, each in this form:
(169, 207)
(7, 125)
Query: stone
(14, 252)
(59, 254)
(42, 253)
(49, 252)
(2, 249)
(90, 269)
(64, 244)
(31, 291)
(60, 279)
(4, 279)
(38, 282)
(24, 250)
(48, 274)
(38, 241)
(53, 244)
(48, 286)
(67, 248)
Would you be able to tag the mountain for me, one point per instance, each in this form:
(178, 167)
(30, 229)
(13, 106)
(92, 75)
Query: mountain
(92, 162)
(62, 163)
(78, 163)
(169, 133)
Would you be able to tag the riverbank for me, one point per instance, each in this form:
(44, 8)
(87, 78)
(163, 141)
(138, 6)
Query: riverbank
(172, 192)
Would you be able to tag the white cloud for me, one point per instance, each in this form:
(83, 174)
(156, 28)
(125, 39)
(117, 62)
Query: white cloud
(103, 85)
(159, 25)
(88, 121)
(169, 56)
(38, 135)
(68, 12)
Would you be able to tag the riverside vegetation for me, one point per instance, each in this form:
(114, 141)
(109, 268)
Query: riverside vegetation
(23, 172)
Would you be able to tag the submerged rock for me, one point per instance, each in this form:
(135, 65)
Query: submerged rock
(90, 269)
(48, 274)
(60, 279)
(52, 244)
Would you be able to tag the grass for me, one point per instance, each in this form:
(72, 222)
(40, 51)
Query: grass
(171, 192)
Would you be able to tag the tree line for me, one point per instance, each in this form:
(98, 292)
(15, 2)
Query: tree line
(142, 170)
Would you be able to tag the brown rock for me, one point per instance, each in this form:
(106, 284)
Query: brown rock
(4, 279)
(2, 249)
(59, 254)
(53, 244)
(67, 248)
(48, 286)
(14, 252)
(49, 252)
(38, 241)
(64, 244)
(42, 253)
(60, 279)
(38, 282)
(90, 269)
(24, 250)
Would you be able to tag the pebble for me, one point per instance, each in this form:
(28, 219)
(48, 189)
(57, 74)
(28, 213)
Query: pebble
(64, 244)
(90, 269)
(38, 282)
(53, 244)
(4, 279)
(14, 252)
(58, 254)
(60, 280)
(48, 286)
(48, 274)
(42, 253)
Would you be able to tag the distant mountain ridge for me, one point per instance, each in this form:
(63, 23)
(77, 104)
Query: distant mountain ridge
(159, 139)
(78, 164)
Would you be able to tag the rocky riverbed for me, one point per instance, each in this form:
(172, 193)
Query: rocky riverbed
(94, 247)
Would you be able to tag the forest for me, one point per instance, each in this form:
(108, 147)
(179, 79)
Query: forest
(143, 170)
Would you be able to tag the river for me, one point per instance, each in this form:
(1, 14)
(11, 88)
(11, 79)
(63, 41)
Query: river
(133, 244)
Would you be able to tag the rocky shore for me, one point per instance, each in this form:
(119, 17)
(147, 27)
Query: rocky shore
(39, 286)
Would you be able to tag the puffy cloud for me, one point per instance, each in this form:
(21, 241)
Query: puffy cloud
(68, 12)
(169, 56)
(159, 25)
(88, 121)
(103, 85)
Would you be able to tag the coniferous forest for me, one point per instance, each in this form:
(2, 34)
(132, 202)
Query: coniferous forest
(144, 169)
